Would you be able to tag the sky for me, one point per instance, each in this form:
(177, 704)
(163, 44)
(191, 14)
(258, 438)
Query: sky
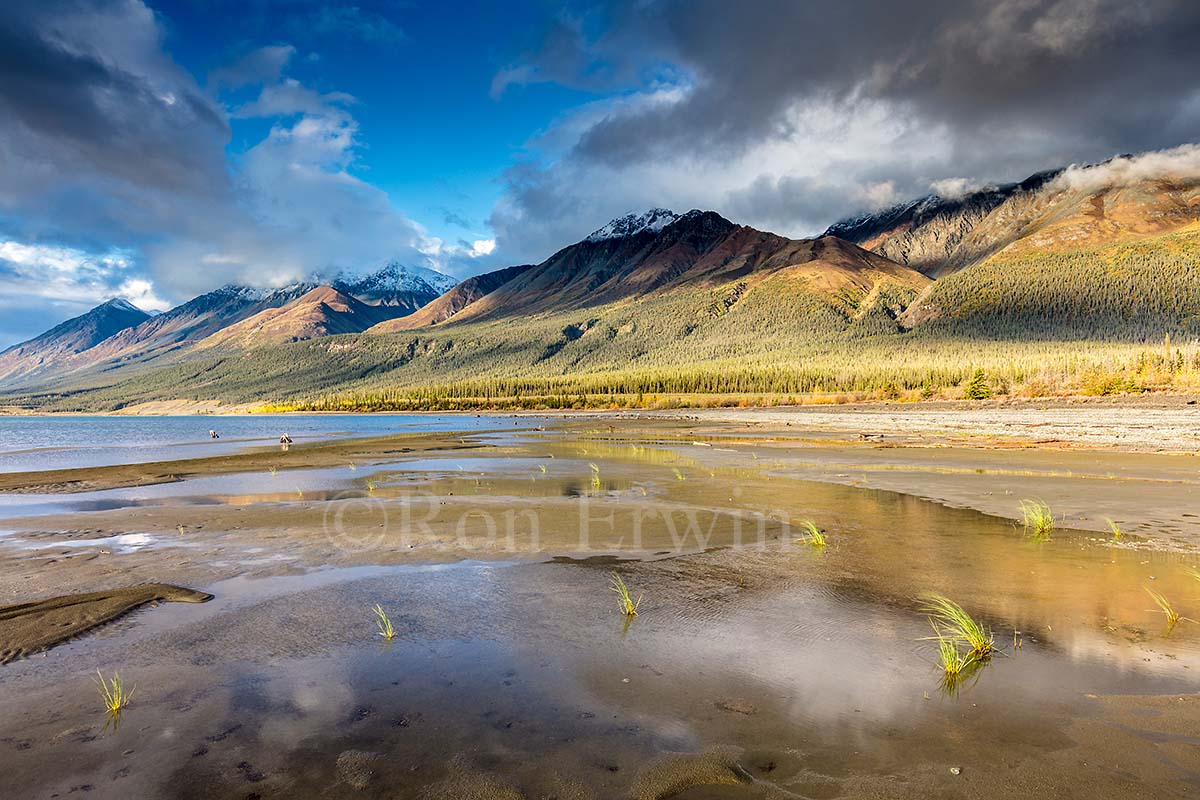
(156, 150)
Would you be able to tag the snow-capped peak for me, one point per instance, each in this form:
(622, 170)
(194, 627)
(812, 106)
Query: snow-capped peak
(653, 221)
(253, 293)
(122, 304)
(397, 277)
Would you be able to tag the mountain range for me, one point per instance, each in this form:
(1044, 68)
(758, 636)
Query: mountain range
(65, 340)
(116, 334)
(1103, 252)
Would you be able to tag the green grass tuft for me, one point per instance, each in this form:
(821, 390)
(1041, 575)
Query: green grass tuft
(1039, 521)
(628, 606)
(812, 534)
(113, 692)
(1115, 529)
(951, 622)
(1165, 606)
(953, 661)
(383, 624)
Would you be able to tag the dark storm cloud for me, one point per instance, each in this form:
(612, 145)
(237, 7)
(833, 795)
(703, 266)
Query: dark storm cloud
(1005, 87)
(1114, 69)
(68, 109)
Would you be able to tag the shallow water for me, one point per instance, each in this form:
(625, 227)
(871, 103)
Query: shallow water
(806, 670)
(30, 443)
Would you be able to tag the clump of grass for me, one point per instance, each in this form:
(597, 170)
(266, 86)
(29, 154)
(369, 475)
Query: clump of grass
(1165, 606)
(542, 467)
(1114, 528)
(113, 692)
(678, 474)
(812, 534)
(274, 471)
(370, 487)
(1039, 521)
(180, 529)
(950, 621)
(383, 624)
(628, 607)
(951, 659)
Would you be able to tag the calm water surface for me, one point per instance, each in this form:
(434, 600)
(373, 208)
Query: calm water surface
(63, 442)
(520, 680)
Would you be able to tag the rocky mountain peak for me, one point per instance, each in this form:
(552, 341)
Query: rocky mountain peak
(652, 221)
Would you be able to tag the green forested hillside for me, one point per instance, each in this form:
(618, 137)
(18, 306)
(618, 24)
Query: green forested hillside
(1115, 318)
(734, 329)
(1126, 291)
(772, 342)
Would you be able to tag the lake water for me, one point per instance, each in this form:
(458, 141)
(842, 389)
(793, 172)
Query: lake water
(63, 442)
(759, 666)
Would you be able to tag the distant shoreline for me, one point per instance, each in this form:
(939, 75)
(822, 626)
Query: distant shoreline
(693, 402)
(1134, 423)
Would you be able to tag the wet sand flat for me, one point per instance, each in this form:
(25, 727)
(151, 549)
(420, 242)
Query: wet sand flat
(1148, 424)
(26, 628)
(757, 666)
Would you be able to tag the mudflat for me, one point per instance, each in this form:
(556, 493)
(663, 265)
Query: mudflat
(26, 628)
(758, 665)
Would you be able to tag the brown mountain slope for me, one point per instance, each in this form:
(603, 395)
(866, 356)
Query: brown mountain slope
(1121, 200)
(185, 324)
(698, 250)
(453, 301)
(63, 341)
(399, 289)
(1087, 216)
(324, 311)
(657, 295)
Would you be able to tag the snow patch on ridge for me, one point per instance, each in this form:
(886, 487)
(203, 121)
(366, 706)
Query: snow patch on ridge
(653, 221)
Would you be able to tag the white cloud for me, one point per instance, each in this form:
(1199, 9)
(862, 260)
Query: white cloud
(72, 275)
(49, 260)
(140, 292)
(880, 195)
(291, 97)
(1176, 163)
(953, 188)
(298, 209)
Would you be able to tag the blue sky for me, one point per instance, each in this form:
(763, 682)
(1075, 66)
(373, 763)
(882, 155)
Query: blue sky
(156, 149)
(431, 134)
